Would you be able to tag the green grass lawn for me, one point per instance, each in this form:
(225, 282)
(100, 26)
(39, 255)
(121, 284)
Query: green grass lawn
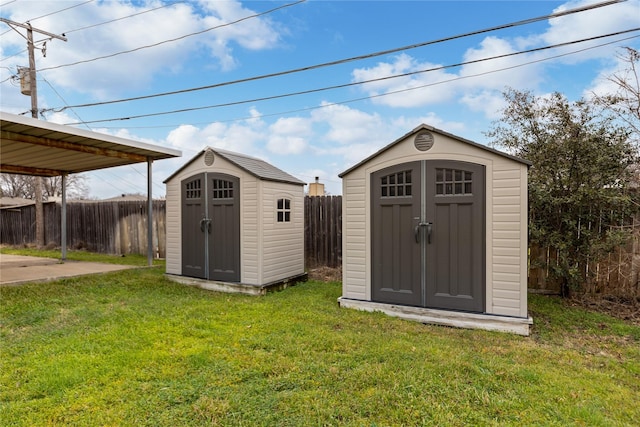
(132, 349)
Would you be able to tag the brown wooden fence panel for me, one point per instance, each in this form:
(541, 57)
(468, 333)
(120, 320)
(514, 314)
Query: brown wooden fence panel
(323, 231)
(105, 227)
(18, 225)
(618, 273)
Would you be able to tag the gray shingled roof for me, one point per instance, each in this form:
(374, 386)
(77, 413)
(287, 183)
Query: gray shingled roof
(257, 167)
(254, 166)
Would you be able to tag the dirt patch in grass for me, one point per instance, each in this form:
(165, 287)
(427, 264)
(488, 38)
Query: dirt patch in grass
(326, 274)
(627, 309)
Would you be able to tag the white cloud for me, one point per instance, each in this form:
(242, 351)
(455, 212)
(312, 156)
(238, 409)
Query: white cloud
(282, 145)
(182, 137)
(108, 78)
(291, 126)
(243, 137)
(61, 118)
(405, 124)
(289, 135)
(600, 21)
(488, 102)
(254, 34)
(347, 125)
(484, 75)
(416, 90)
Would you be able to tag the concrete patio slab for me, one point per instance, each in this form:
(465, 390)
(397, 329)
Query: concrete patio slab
(19, 269)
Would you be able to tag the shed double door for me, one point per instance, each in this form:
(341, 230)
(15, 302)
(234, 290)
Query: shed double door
(428, 235)
(211, 227)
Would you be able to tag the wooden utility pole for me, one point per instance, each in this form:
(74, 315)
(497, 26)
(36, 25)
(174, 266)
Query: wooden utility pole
(33, 93)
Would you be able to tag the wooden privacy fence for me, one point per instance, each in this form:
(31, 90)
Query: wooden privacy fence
(118, 227)
(618, 273)
(323, 231)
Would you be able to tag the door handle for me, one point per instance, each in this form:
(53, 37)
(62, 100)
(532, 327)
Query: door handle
(205, 223)
(416, 231)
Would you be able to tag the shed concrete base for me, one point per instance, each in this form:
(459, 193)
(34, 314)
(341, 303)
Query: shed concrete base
(458, 319)
(238, 288)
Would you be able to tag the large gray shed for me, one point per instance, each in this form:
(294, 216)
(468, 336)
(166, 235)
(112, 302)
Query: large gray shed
(435, 230)
(234, 223)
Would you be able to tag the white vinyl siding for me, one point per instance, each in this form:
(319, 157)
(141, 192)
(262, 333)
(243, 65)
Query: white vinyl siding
(269, 251)
(505, 227)
(283, 247)
(354, 238)
(509, 279)
(249, 229)
(173, 221)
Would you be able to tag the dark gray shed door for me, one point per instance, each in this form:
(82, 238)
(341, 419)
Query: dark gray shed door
(428, 246)
(224, 236)
(395, 213)
(211, 227)
(193, 237)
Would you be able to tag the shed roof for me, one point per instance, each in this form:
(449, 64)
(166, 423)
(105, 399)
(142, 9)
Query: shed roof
(441, 132)
(254, 166)
(34, 147)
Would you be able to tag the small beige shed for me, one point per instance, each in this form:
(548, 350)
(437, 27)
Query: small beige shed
(435, 230)
(235, 223)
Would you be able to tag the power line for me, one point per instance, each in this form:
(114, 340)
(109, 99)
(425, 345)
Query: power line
(395, 92)
(127, 182)
(15, 54)
(309, 91)
(63, 100)
(11, 77)
(61, 10)
(49, 14)
(124, 17)
(96, 25)
(178, 38)
(357, 58)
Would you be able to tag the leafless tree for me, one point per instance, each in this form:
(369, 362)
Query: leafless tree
(24, 186)
(625, 101)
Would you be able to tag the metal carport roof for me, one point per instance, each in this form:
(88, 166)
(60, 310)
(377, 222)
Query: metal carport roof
(33, 147)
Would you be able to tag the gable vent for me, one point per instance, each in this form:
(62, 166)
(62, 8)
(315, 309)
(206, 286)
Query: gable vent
(209, 157)
(423, 140)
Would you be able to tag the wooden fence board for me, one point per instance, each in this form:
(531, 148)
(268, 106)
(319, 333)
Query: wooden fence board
(618, 273)
(323, 231)
(105, 227)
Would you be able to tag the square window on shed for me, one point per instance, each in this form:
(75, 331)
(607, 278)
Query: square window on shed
(284, 210)
(396, 185)
(453, 182)
(193, 189)
(222, 189)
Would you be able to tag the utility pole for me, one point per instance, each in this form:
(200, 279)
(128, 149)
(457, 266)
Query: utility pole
(33, 92)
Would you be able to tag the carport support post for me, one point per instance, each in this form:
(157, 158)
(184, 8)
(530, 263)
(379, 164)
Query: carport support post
(149, 215)
(63, 219)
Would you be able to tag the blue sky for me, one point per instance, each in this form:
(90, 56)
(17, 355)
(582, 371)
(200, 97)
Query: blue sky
(316, 134)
